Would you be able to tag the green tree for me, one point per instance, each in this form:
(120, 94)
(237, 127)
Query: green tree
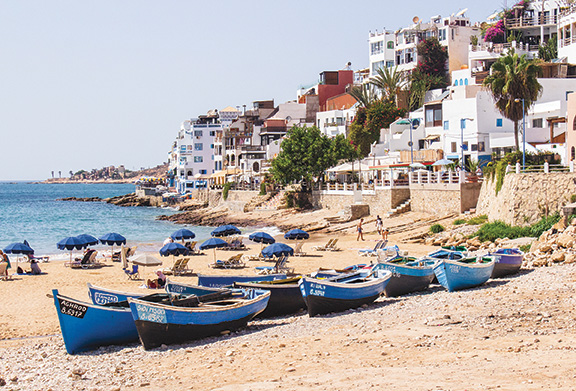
(512, 79)
(364, 94)
(390, 82)
(304, 154)
(365, 130)
(549, 51)
(341, 149)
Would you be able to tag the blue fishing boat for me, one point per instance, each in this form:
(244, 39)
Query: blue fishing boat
(103, 296)
(508, 261)
(285, 296)
(218, 281)
(342, 292)
(448, 253)
(159, 324)
(408, 275)
(88, 326)
(462, 274)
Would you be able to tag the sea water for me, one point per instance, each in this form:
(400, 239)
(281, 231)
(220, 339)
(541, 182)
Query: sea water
(30, 211)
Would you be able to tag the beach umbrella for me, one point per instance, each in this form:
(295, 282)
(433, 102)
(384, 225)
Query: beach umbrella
(111, 239)
(417, 165)
(276, 250)
(88, 239)
(174, 249)
(145, 260)
(262, 238)
(71, 243)
(225, 230)
(296, 234)
(182, 234)
(442, 162)
(213, 243)
(18, 249)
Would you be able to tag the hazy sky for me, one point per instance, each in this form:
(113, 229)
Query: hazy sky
(90, 83)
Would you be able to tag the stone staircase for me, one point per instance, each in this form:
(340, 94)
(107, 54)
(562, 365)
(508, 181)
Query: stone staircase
(402, 208)
(273, 203)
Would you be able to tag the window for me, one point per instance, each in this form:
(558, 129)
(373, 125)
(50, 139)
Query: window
(434, 116)
(481, 147)
(498, 122)
(568, 93)
(198, 133)
(183, 148)
(199, 159)
(198, 147)
(390, 44)
(453, 147)
(212, 133)
(203, 172)
(574, 124)
(446, 125)
(537, 123)
(456, 83)
(189, 173)
(466, 81)
(453, 31)
(442, 35)
(211, 146)
(465, 145)
(389, 63)
(474, 147)
(573, 153)
(189, 148)
(377, 65)
(377, 47)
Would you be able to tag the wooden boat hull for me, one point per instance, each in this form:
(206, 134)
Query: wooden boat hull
(159, 324)
(88, 326)
(509, 262)
(285, 298)
(216, 281)
(405, 278)
(188, 289)
(324, 296)
(454, 275)
(102, 296)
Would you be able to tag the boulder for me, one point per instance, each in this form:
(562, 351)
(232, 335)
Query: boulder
(544, 247)
(569, 258)
(538, 262)
(557, 257)
(565, 240)
(559, 226)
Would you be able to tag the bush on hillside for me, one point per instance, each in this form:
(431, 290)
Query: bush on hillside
(459, 222)
(225, 190)
(477, 220)
(436, 228)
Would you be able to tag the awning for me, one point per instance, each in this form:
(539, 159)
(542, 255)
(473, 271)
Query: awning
(432, 137)
(349, 167)
(218, 174)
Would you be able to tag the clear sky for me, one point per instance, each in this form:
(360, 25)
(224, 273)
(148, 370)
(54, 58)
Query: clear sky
(90, 83)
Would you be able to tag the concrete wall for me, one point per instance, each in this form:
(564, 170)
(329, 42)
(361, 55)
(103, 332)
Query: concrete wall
(525, 198)
(380, 202)
(436, 199)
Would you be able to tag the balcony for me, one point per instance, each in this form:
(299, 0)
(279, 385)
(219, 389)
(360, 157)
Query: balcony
(531, 21)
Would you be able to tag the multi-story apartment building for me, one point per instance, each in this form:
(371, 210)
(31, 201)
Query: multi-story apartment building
(399, 49)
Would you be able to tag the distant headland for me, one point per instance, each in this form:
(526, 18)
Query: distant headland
(108, 174)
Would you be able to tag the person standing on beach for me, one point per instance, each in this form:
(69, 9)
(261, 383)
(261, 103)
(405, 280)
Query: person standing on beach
(4, 258)
(359, 229)
(385, 234)
(378, 225)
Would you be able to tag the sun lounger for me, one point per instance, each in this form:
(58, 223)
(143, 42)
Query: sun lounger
(255, 257)
(298, 250)
(234, 262)
(279, 267)
(87, 263)
(180, 267)
(324, 247)
(235, 244)
(373, 252)
(333, 246)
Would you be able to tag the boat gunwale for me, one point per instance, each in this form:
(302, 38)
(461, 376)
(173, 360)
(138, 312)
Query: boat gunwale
(87, 304)
(348, 285)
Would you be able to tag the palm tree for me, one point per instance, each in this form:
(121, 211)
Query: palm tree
(364, 94)
(389, 81)
(514, 79)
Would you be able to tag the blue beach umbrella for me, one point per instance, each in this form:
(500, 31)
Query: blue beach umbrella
(225, 230)
(262, 238)
(18, 249)
(276, 250)
(174, 249)
(213, 243)
(71, 243)
(88, 239)
(296, 234)
(111, 239)
(182, 234)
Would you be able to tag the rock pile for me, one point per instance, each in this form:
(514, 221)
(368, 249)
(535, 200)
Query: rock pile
(557, 245)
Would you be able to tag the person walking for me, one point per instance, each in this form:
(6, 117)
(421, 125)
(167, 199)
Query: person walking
(385, 233)
(359, 229)
(378, 225)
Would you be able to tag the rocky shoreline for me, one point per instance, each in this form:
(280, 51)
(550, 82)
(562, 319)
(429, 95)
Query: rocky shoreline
(122, 200)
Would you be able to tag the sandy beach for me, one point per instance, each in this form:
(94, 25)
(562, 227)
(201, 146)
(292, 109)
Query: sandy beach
(510, 334)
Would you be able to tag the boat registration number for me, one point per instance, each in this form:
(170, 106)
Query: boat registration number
(73, 309)
(104, 298)
(454, 268)
(317, 289)
(151, 314)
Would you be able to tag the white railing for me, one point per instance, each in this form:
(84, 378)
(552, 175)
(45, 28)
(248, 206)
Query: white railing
(446, 177)
(545, 168)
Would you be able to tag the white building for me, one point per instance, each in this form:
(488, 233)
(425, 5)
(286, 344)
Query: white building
(335, 122)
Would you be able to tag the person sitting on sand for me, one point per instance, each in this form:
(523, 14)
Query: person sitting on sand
(359, 229)
(159, 282)
(34, 268)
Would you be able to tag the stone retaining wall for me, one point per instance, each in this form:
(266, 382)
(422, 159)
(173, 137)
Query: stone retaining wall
(525, 198)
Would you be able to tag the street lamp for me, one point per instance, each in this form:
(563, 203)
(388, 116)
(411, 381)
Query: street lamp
(414, 123)
(523, 133)
(462, 126)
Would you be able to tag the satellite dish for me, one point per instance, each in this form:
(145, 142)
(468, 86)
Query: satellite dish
(415, 20)
(460, 13)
